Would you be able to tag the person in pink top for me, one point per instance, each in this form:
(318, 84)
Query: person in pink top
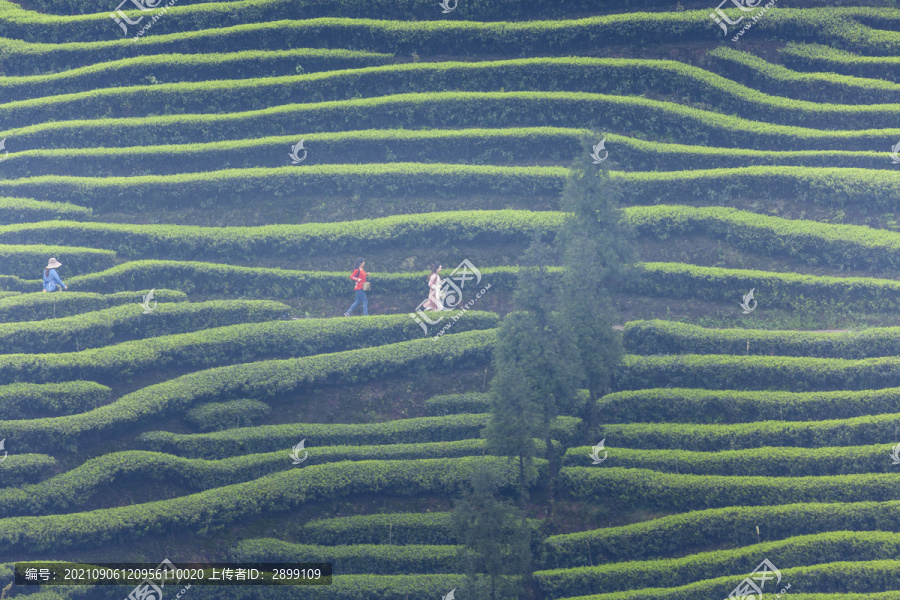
(434, 302)
(359, 276)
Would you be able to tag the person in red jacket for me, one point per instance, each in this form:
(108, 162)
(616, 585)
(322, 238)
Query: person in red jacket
(359, 276)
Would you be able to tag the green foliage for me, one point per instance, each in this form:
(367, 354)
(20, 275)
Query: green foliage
(22, 469)
(727, 406)
(180, 68)
(679, 492)
(38, 306)
(723, 371)
(696, 531)
(327, 436)
(25, 210)
(129, 322)
(32, 401)
(597, 246)
(223, 345)
(438, 110)
(794, 551)
(818, 57)
(261, 380)
(778, 80)
(450, 404)
(495, 537)
(28, 261)
(773, 290)
(839, 246)
(174, 242)
(628, 77)
(226, 505)
(225, 415)
(779, 461)
(712, 438)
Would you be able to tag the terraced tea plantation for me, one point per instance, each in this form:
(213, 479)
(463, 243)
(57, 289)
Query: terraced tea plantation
(207, 174)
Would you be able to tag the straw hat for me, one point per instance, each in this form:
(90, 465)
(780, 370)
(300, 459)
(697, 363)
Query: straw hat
(53, 263)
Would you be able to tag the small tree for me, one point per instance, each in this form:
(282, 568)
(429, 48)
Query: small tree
(496, 538)
(596, 246)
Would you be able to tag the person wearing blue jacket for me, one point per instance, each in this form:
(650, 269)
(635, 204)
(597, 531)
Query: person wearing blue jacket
(52, 282)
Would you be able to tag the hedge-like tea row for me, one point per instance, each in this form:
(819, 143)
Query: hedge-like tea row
(22, 469)
(28, 261)
(795, 551)
(566, 37)
(261, 380)
(238, 503)
(394, 529)
(268, 438)
(26, 210)
(668, 337)
(297, 186)
(166, 68)
(839, 246)
(817, 57)
(32, 401)
(534, 145)
(397, 529)
(684, 405)
(679, 492)
(665, 121)
(770, 462)
(347, 559)
(729, 372)
(521, 187)
(218, 279)
(450, 404)
(72, 489)
(214, 416)
(857, 576)
(224, 345)
(39, 306)
(778, 80)
(855, 246)
(696, 531)
(130, 322)
(179, 242)
(621, 76)
(858, 431)
(772, 289)
(247, 29)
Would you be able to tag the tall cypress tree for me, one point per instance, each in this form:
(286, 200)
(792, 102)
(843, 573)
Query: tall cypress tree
(496, 538)
(596, 246)
(536, 364)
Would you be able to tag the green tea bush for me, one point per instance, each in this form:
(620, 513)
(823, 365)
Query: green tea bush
(225, 415)
(33, 401)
